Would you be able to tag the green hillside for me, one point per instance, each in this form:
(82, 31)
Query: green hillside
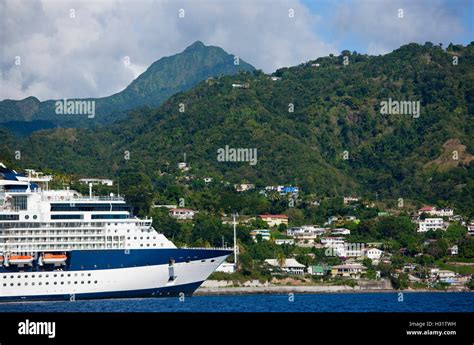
(337, 115)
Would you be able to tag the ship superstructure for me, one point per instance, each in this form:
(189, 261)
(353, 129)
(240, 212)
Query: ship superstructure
(59, 244)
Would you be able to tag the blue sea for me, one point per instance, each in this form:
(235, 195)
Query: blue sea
(352, 302)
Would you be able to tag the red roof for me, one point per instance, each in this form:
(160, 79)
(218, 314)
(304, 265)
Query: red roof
(284, 216)
(427, 208)
(181, 210)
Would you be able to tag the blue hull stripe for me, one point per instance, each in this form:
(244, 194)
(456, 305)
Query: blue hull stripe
(119, 258)
(166, 291)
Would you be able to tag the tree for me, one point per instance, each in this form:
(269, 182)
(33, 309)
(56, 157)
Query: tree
(466, 248)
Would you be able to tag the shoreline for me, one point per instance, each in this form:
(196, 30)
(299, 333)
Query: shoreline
(310, 289)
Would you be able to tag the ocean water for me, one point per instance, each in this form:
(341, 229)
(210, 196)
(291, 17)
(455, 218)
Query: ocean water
(351, 302)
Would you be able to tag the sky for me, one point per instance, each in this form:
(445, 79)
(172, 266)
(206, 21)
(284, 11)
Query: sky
(70, 49)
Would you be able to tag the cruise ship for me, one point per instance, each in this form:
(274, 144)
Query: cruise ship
(61, 245)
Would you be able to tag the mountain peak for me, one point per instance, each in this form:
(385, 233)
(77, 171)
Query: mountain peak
(196, 45)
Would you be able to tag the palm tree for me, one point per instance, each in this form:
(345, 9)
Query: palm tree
(281, 259)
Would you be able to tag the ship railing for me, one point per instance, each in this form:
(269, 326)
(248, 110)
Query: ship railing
(209, 248)
(81, 198)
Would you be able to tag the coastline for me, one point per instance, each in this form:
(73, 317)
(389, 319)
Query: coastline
(307, 289)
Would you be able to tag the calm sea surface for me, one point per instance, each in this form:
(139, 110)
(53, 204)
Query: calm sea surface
(355, 302)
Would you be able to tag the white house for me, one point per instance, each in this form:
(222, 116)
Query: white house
(280, 241)
(265, 233)
(226, 267)
(332, 241)
(183, 166)
(243, 187)
(97, 181)
(431, 224)
(182, 213)
(349, 199)
(434, 211)
(290, 266)
(340, 231)
(373, 253)
(470, 229)
(207, 179)
(274, 219)
(446, 276)
(454, 250)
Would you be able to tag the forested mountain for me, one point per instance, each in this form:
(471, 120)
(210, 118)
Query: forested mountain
(336, 140)
(161, 80)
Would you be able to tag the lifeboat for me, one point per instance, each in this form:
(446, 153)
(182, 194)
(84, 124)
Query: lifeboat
(54, 258)
(1, 260)
(20, 259)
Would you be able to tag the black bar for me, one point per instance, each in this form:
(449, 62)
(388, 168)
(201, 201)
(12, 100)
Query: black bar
(240, 328)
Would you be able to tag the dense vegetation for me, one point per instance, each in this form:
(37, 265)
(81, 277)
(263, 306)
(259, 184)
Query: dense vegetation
(336, 116)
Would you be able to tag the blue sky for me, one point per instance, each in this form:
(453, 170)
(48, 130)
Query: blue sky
(83, 55)
(354, 40)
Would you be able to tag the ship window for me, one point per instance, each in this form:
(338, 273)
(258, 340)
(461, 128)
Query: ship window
(35, 217)
(62, 283)
(47, 283)
(27, 217)
(82, 282)
(75, 282)
(55, 283)
(89, 282)
(95, 281)
(40, 283)
(4, 284)
(11, 284)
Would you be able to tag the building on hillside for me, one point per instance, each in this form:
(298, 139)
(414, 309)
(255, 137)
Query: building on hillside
(274, 219)
(183, 166)
(207, 179)
(470, 228)
(275, 78)
(265, 233)
(373, 253)
(446, 276)
(97, 181)
(243, 187)
(347, 270)
(281, 241)
(431, 224)
(305, 232)
(340, 231)
(171, 206)
(434, 211)
(319, 270)
(182, 213)
(454, 250)
(226, 267)
(350, 199)
(290, 266)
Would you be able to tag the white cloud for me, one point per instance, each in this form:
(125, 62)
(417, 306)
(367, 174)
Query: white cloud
(83, 56)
